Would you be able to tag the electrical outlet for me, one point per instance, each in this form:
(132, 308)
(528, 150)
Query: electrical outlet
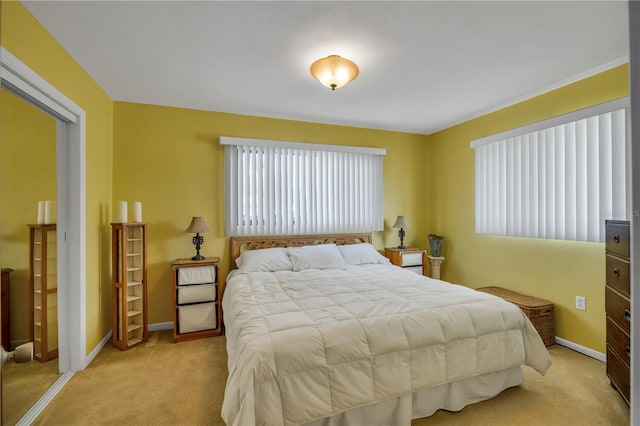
(581, 303)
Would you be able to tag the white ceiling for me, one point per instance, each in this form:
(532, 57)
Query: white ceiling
(424, 65)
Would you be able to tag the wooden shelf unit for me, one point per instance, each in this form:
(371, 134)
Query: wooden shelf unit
(43, 291)
(129, 279)
(197, 312)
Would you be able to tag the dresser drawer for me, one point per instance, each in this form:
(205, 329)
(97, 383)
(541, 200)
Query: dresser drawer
(619, 342)
(196, 275)
(619, 374)
(203, 316)
(617, 273)
(618, 308)
(197, 293)
(411, 259)
(417, 269)
(617, 238)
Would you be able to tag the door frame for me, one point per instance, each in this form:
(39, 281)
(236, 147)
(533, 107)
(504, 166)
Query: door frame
(21, 80)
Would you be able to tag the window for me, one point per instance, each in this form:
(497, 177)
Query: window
(275, 187)
(558, 179)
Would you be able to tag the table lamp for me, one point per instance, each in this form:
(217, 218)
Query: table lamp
(197, 227)
(401, 223)
(23, 353)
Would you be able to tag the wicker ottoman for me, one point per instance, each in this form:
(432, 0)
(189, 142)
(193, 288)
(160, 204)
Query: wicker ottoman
(539, 311)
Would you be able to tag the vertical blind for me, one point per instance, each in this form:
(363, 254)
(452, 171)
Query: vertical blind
(275, 187)
(558, 179)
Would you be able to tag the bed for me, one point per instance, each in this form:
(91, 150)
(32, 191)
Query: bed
(323, 330)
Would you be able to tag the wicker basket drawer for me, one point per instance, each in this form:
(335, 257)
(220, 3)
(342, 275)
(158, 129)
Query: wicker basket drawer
(539, 311)
(197, 293)
(411, 259)
(197, 275)
(202, 316)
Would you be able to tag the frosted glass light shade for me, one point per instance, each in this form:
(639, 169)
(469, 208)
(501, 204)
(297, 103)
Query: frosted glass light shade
(334, 71)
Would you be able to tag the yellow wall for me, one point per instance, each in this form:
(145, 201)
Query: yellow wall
(171, 161)
(24, 37)
(27, 175)
(554, 270)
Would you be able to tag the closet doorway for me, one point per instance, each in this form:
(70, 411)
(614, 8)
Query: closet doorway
(21, 81)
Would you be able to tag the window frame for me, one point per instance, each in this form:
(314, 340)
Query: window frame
(236, 225)
(500, 225)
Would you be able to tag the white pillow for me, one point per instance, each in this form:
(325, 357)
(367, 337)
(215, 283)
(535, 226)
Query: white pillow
(321, 256)
(264, 260)
(360, 254)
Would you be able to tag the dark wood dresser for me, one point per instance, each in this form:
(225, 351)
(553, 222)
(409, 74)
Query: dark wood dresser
(618, 305)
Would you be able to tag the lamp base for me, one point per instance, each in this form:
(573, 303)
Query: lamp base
(401, 235)
(198, 257)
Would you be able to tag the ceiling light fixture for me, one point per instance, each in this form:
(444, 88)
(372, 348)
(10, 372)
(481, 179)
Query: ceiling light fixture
(334, 71)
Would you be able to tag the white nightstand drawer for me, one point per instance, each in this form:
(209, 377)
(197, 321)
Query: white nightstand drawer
(202, 316)
(197, 293)
(196, 275)
(411, 259)
(416, 269)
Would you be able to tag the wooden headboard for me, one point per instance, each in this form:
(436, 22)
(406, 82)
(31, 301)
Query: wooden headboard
(242, 244)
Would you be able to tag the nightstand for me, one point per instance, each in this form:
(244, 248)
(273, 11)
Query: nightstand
(196, 299)
(413, 259)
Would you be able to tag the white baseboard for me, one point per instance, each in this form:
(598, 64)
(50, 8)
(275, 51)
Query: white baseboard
(582, 349)
(96, 350)
(45, 399)
(158, 326)
(152, 327)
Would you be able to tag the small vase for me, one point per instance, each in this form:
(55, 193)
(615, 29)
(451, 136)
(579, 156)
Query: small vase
(435, 244)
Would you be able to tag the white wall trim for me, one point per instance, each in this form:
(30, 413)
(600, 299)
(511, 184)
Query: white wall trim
(94, 353)
(634, 68)
(229, 140)
(45, 399)
(71, 202)
(30, 85)
(582, 349)
(159, 326)
(569, 117)
(516, 100)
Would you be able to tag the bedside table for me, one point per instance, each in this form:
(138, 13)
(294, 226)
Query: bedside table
(196, 299)
(413, 259)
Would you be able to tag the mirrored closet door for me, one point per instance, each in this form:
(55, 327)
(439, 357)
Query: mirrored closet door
(27, 251)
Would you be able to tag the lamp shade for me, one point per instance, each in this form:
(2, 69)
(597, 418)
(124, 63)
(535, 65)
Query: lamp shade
(23, 353)
(334, 71)
(401, 222)
(197, 226)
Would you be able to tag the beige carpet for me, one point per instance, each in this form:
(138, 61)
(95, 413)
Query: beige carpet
(23, 385)
(162, 383)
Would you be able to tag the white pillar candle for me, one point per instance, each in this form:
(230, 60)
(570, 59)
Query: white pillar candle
(137, 211)
(40, 212)
(122, 212)
(49, 212)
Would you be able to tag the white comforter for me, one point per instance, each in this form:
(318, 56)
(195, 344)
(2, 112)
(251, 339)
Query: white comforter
(311, 344)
